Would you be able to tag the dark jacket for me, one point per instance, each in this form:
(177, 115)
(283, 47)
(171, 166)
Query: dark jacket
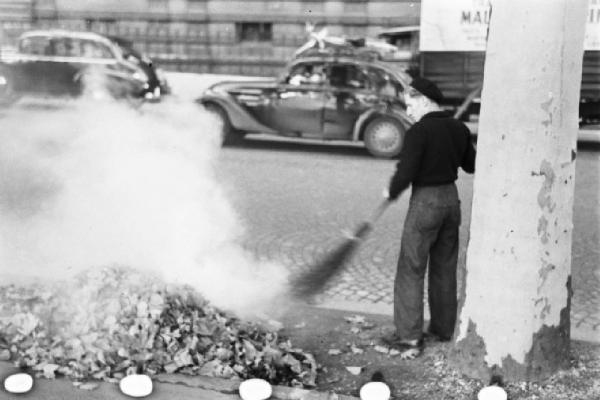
(433, 150)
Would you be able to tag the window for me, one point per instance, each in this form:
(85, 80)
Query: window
(91, 49)
(63, 47)
(74, 47)
(384, 83)
(350, 76)
(36, 45)
(355, 6)
(307, 74)
(254, 31)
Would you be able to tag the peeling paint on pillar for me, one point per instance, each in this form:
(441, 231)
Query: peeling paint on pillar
(469, 354)
(546, 107)
(541, 361)
(543, 229)
(544, 271)
(545, 194)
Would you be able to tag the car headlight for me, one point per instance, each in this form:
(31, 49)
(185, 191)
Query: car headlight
(3, 80)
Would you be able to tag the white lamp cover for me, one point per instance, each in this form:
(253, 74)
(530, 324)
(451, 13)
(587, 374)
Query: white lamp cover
(18, 383)
(136, 385)
(492, 393)
(375, 391)
(255, 389)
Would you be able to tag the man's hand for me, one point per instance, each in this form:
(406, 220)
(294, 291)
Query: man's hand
(386, 194)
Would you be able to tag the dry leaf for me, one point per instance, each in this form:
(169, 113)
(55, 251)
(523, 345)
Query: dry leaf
(115, 321)
(4, 355)
(354, 370)
(88, 386)
(49, 370)
(382, 349)
(355, 319)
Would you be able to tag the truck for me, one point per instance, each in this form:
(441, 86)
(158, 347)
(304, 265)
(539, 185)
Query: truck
(450, 47)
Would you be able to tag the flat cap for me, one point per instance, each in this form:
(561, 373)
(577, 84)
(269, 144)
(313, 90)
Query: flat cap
(427, 89)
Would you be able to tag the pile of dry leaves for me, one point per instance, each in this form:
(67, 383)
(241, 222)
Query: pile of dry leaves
(111, 322)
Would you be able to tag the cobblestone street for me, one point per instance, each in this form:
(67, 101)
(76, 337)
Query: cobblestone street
(297, 200)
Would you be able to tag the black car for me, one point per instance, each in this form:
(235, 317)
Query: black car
(156, 76)
(321, 95)
(67, 63)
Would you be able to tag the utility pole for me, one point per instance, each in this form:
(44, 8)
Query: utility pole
(514, 315)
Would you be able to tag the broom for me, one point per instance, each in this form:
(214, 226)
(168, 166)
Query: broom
(314, 279)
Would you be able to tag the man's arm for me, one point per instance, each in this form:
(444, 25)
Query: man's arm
(468, 161)
(409, 163)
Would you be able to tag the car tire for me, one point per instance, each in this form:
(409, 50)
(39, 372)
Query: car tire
(384, 137)
(229, 135)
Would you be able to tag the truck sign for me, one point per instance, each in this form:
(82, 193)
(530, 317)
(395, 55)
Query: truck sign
(462, 25)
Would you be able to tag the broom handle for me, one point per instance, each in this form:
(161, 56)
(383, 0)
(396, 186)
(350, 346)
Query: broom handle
(379, 211)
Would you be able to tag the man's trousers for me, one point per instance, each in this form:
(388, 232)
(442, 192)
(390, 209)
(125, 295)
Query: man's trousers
(430, 234)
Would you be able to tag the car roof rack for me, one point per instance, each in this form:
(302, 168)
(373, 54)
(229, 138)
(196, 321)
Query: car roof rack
(368, 55)
(358, 48)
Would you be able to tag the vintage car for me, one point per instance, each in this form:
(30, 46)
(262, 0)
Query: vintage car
(67, 63)
(328, 95)
(156, 76)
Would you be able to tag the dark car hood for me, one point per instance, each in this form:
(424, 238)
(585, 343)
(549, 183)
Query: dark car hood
(244, 85)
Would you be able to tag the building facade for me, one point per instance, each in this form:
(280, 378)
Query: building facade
(253, 37)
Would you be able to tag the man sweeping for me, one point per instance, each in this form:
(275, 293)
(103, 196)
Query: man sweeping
(435, 146)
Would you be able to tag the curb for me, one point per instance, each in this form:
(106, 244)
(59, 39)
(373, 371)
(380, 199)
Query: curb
(226, 386)
(203, 387)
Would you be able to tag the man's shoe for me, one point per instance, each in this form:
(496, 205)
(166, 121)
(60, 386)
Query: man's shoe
(391, 339)
(409, 349)
(410, 352)
(430, 335)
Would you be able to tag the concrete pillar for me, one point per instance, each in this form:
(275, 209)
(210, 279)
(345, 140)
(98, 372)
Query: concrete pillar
(514, 319)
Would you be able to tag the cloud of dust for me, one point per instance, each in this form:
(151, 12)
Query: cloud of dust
(92, 184)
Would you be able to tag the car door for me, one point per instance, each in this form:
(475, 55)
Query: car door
(90, 66)
(296, 105)
(351, 93)
(62, 70)
(28, 70)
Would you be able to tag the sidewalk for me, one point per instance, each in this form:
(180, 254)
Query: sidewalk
(578, 332)
(338, 343)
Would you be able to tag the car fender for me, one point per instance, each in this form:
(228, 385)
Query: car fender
(368, 115)
(238, 116)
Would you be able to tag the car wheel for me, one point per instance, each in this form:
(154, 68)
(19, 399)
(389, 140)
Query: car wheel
(229, 136)
(384, 137)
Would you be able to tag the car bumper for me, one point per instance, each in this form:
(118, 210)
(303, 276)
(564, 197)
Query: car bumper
(153, 95)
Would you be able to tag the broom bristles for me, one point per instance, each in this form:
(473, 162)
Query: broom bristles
(313, 280)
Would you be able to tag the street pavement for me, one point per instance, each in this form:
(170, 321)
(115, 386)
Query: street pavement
(296, 200)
